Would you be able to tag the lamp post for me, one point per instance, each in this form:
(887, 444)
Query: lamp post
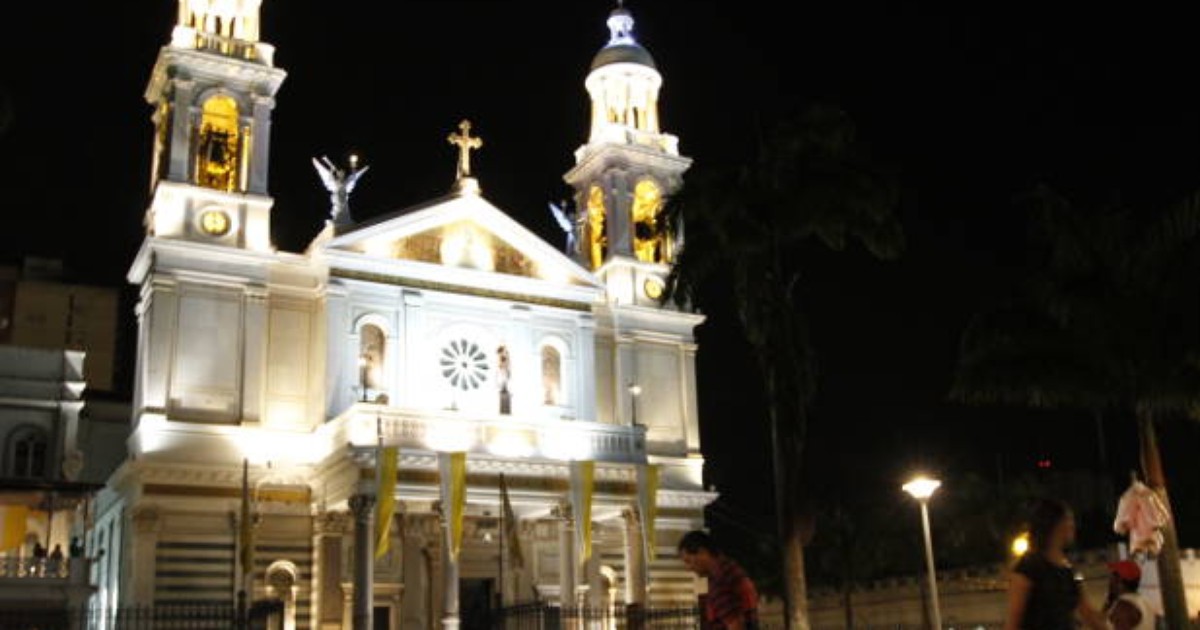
(922, 489)
(635, 390)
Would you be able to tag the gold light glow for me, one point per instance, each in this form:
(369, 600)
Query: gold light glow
(448, 435)
(1020, 544)
(465, 246)
(511, 443)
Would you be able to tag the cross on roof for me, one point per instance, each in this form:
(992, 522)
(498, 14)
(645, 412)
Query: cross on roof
(465, 143)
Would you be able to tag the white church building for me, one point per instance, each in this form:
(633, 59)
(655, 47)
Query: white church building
(444, 327)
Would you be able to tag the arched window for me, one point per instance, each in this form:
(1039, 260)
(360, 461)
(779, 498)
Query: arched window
(219, 145)
(551, 376)
(28, 450)
(649, 237)
(371, 352)
(597, 235)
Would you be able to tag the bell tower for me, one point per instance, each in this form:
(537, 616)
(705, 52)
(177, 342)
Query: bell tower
(625, 171)
(213, 89)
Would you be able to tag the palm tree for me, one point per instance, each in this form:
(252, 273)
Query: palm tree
(1107, 321)
(807, 186)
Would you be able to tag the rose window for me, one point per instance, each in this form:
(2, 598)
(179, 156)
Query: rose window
(464, 364)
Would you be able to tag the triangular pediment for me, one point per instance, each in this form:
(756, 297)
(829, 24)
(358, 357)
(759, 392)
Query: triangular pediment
(465, 233)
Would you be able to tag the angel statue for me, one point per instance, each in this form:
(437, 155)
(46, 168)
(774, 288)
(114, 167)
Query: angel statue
(340, 184)
(566, 220)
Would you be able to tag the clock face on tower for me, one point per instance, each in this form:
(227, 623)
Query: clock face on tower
(214, 222)
(653, 288)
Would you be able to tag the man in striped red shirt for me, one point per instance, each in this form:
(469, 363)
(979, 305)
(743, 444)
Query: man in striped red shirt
(732, 601)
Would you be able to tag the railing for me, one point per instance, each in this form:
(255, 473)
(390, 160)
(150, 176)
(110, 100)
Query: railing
(34, 568)
(538, 616)
(500, 435)
(186, 37)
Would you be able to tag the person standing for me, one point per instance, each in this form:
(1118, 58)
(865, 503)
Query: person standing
(1126, 608)
(1045, 592)
(732, 600)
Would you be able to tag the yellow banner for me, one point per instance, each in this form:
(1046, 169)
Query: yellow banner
(12, 526)
(385, 505)
(454, 495)
(582, 476)
(512, 537)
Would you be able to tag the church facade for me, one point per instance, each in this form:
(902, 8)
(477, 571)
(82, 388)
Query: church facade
(272, 388)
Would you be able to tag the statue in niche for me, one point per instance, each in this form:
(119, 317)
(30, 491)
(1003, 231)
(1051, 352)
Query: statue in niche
(340, 183)
(503, 372)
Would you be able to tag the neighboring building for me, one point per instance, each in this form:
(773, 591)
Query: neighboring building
(975, 598)
(446, 327)
(46, 480)
(39, 310)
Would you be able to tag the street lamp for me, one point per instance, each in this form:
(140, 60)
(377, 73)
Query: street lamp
(635, 390)
(922, 488)
(1020, 544)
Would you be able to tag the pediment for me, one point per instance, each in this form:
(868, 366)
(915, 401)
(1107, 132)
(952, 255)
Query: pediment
(464, 232)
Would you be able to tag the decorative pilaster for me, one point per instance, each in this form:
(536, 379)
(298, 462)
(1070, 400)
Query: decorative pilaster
(567, 563)
(363, 508)
(635, 559)
(254, 353)
(261, 144)
(328, 530)
(146, 524)
(182, 114)
(421, 533)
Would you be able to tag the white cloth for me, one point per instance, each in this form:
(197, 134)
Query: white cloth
(1141, 514)
(1137, 601)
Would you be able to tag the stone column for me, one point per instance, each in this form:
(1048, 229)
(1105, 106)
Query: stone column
(363, 507)
(566, 555)
(450, 618)
(635, 560)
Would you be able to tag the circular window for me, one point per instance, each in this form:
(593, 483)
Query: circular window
(464, 364)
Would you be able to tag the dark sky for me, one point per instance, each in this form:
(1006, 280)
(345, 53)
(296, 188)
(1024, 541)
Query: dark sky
(971, 108)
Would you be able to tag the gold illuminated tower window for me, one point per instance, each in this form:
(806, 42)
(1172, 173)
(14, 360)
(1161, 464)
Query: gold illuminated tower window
(650, 243)
(220, 145)
(597, 236)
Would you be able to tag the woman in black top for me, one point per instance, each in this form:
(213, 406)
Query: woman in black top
(1045, 593)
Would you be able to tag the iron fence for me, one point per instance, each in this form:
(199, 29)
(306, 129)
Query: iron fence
(262, 615)
(540, 616)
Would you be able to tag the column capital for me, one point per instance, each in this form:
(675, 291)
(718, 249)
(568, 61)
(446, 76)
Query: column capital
(361, 505)
(145, 519)
(331, 523)
(563, 511)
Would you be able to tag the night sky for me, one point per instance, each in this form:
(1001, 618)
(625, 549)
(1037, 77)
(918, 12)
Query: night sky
(971, 108)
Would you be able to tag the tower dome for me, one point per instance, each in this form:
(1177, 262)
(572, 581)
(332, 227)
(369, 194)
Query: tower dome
(622, 47)
(623, 83)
